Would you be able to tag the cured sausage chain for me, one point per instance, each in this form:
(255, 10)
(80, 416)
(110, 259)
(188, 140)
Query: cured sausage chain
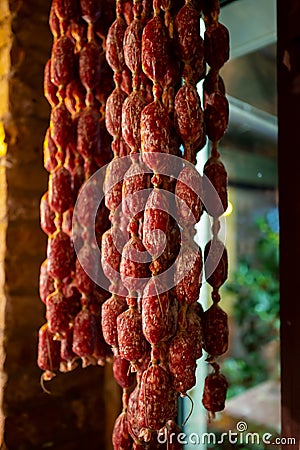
(216, 113)
(122, 83)
(77, 83)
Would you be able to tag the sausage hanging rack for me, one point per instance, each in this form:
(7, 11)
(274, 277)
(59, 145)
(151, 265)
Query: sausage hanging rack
(121, 82)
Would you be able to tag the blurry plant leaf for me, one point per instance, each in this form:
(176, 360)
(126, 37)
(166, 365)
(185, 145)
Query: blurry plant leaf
(256, 309)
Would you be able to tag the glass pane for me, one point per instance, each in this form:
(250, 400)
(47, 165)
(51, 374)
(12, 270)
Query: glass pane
(251, 294)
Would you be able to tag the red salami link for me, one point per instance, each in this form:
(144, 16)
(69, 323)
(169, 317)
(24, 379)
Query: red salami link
(194, 329)
(48, 350)
(155, 49)
(189, 114)
(131, 118)
(216, 263)
(188, 274)
(85, 215)
(216, 115)
(132, 344)
(134, 267)
(111, 309)
(84, 335)
(68, 357)
(57, 313)
(46, 283)
(62, 61)
(113, 182)
(213, 83)
(189, 196)
(187, 32)
(155, 136)
(215, 331)
(195, 70)
(155, 312)
(88, 133)
(136, 180)
(85, 269)
(90, 65)
(133, 46)
(61, 196)
(47, 216)
(155, 224)
(113, 116)
(215, 187)
(50, 90)
(132, 413)
(153, 406)
(182, 362)
(72, 159)
(114, 45)
(214, 395)
(60, 254)
(121, 438)
(75, 97)
(112, 245)
(216, 45)
(61, 126)
(124, 223)
(123, 376)
(50, 150)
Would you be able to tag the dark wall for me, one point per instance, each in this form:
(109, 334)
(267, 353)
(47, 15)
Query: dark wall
(74, 416)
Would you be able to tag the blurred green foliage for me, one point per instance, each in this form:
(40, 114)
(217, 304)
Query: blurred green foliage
(256, 310)
(255, 286)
